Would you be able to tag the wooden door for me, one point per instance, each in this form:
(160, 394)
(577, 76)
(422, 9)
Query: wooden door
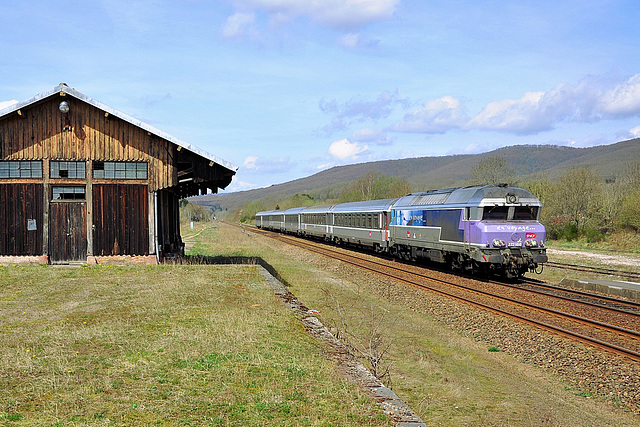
(67, 232)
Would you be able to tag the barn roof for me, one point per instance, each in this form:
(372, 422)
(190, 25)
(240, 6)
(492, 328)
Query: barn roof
(63, 88)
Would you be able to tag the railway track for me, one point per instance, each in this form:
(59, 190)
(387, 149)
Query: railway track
(596, 270)
(608, 325)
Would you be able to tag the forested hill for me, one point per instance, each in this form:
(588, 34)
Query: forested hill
(426, 173)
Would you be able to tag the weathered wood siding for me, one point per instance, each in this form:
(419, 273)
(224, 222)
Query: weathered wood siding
(39, 134)
(120, 213)
(26, 201)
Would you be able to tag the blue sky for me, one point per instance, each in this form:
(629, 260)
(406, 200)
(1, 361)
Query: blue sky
(287, 88)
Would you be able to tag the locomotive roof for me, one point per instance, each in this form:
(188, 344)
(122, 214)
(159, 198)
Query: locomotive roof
(475, 195)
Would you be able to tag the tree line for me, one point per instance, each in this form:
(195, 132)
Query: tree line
(580, 203)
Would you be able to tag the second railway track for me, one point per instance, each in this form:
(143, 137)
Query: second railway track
(605, 326)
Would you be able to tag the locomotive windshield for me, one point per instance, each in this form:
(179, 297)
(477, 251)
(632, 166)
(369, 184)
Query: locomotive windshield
(525, 213)
(506, 213)
(495, 213)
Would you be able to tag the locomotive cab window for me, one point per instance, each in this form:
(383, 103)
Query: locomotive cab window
(499, 213)
(525, 213)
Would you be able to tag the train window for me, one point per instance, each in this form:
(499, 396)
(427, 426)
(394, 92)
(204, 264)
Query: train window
(475, 213)
(525, 213)
(495, 213)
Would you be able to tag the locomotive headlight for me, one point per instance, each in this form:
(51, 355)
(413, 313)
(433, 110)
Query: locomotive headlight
(499, 243)
(531, 243)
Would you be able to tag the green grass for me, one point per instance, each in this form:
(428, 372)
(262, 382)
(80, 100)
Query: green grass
(184, 345)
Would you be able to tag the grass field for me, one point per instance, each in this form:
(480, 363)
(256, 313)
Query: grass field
(212, 345)
(158, 345)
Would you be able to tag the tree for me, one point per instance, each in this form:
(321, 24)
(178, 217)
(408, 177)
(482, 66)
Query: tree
(373, 186)
(491, 171)
(628, 190)
(194, 211)
(577, 197)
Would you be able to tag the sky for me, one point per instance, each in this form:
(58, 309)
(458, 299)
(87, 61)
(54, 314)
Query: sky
(287, 88)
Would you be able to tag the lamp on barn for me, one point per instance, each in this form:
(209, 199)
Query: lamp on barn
(64, 109)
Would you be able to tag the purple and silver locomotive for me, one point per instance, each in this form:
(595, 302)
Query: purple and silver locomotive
(491, 229)
(488, 228)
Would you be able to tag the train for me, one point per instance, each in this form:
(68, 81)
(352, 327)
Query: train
(490, 229)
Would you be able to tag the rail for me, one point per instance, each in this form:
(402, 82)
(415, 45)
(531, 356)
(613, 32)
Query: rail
(446, 288)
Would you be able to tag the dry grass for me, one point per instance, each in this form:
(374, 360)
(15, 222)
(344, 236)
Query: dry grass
(446, 378)
(183, 345)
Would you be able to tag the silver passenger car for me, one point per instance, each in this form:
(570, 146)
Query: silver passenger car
(316, 221)
(363, 223)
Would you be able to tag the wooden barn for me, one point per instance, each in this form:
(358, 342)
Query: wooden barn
(82, 182)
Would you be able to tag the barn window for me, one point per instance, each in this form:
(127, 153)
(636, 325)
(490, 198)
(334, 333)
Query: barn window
(73, 170)
(22, 169)
(68, 193)
(119, 170)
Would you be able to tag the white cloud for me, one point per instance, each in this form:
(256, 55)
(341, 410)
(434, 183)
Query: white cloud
(624, 99)
(357, 40)
(255, 164)
(378, 137)
(238, 25)
(438, 116)
(7, 104)
(635, 132)
(359, 110)
(343, 149)
(523, 115)
(237, 185)
(350, 40)
(250, 162)
(591, 100)
(332, 13)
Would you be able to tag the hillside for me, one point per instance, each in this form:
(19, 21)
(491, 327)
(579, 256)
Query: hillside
(425, 173)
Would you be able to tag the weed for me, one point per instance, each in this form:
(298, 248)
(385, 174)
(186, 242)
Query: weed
(584, 394)
(11, 417)
(494, 349)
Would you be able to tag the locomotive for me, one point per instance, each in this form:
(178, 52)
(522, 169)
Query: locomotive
(487, 229)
